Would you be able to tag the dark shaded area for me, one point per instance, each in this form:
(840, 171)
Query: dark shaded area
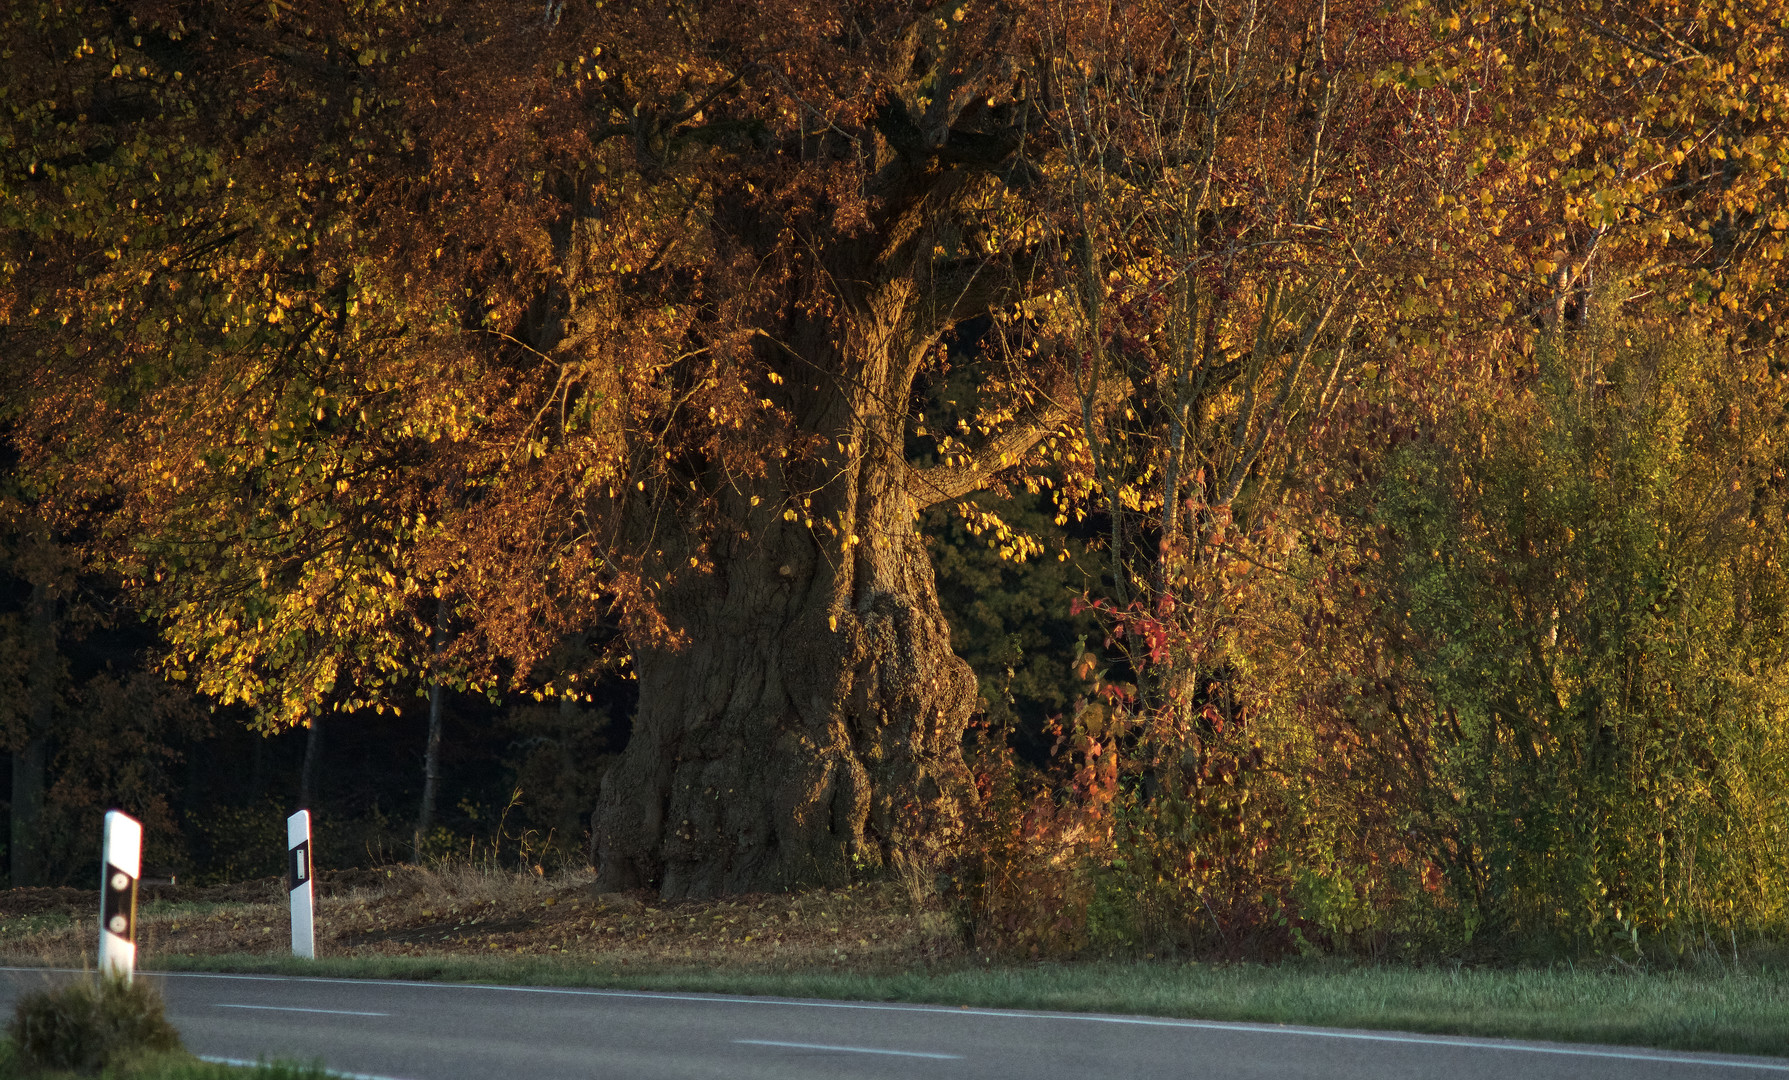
(1009, 617)
(214, 793)
(519, 779)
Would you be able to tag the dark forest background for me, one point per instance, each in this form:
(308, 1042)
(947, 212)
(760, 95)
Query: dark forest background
(519, 778)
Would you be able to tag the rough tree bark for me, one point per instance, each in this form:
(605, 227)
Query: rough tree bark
(812, 722)
(813, 719)
(774, 750)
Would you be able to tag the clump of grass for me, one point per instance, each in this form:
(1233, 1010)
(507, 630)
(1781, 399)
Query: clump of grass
(87, 1025)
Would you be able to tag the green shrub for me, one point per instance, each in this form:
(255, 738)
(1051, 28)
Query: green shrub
(1525, 694)
(86, 1025)
(1593, 617)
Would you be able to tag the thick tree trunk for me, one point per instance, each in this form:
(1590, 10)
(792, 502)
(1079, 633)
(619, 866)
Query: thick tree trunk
(774, 750)
(811, 724)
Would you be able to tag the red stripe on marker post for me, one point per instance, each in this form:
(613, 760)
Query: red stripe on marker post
(298, 874)
(121, 863)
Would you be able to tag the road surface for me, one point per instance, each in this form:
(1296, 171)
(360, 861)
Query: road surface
(443, 1031)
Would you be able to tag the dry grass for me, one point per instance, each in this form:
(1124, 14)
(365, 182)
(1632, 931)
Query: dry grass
(461, 910)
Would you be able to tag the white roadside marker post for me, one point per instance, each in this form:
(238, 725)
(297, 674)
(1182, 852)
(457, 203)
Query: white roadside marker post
(121, 863)
(298, 871)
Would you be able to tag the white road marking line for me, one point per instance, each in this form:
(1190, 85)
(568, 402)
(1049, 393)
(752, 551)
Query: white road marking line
(850, 1049)
(1662, 1057)
(294, 1008)
(243, 1063)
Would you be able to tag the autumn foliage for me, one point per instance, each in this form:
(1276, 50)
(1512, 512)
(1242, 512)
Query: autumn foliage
(1407, 375)
(1430, 412)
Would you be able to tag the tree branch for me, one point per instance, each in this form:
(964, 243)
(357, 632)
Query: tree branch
(1051, 407)
(976, 286)
(942, 483)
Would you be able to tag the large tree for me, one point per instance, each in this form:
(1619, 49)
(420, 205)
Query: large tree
(589, 337)
(598, 325)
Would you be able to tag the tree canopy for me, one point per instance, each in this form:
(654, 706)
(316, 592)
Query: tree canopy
(517, 346)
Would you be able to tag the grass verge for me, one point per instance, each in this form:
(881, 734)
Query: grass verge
(175, 1066)
(460, 924)
(1730, 1012)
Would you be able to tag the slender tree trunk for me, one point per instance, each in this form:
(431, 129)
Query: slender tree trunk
(257, 768)
(30, 763)
(812, 722)
(431, 756)
(313, 764)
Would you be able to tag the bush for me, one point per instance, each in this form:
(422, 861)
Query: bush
(1593, 620)
(1520, 690)
(88, 1025)
(1018, 885)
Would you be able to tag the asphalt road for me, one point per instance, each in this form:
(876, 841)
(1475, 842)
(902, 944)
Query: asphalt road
(440, 1031)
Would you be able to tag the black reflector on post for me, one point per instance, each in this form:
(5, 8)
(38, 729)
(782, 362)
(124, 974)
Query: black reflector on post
(299, 872)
